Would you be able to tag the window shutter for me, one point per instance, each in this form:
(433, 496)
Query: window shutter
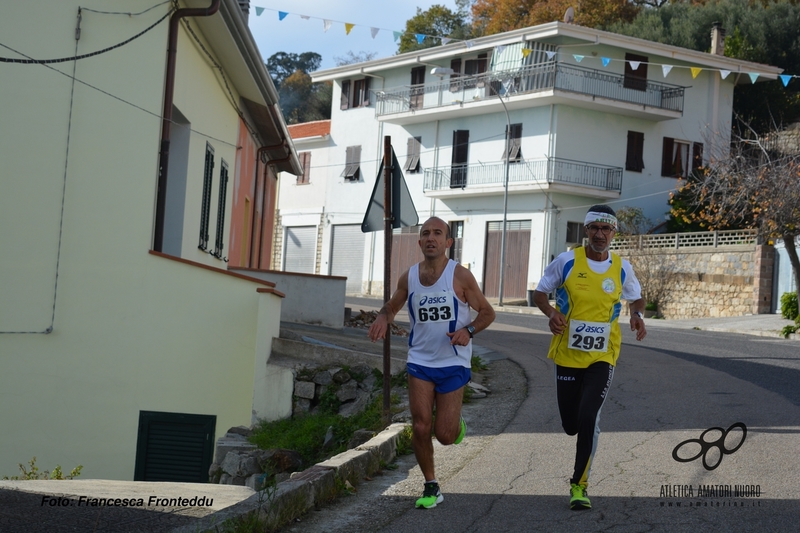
(345, 100)
(635, 152)
(455, 65)
(667, 169)
(365, 99)
(348, 162)
(409, 153)
(697, 156)
(305, 160)
(356, 162)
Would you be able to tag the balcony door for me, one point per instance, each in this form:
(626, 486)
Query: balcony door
(417, 87)
(458, 167)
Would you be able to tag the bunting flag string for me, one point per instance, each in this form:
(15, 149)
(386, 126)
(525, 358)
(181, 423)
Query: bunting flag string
(606, 61)
(348, 27)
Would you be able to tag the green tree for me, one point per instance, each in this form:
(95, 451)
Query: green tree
(767, 33)
(281, 65)
(437, 21)
(303, 101)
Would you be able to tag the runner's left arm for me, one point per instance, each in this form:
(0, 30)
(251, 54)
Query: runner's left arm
(476, 301)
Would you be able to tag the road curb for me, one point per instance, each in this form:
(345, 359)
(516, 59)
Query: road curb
(310, 488)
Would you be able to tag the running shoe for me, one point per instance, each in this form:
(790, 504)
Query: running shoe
(578, 498)
(430, 496)
(462, 433)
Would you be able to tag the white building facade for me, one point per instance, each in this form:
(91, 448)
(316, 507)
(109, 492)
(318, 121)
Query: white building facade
(593, 117)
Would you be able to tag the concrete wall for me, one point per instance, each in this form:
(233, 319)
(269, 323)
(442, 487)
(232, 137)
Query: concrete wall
(310, 299)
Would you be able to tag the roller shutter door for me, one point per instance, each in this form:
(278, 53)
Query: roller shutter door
(174, 447)
(300, 249)
(347, 255)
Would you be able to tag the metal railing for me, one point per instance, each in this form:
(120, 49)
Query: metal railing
(461, 90)
(553, 170)
(689, 240)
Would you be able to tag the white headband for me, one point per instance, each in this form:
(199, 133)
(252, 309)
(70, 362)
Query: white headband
(594, 216)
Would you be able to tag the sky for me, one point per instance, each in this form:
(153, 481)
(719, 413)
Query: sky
(296, 35)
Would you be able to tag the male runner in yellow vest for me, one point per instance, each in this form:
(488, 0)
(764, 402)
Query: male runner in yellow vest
(589, 282)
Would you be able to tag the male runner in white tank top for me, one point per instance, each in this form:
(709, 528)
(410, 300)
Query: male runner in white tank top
(439, 293)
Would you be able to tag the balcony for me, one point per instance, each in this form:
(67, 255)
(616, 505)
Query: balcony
(556, 174)
(550, 83)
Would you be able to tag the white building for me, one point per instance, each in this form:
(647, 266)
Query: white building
(594, 117)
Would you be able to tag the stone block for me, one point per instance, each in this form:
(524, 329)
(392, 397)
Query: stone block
(384, 444)
(323, 378)
(357, 405)
(230, 465)
(348, 391)
(226, 445)
(304, 389)
(353, 465)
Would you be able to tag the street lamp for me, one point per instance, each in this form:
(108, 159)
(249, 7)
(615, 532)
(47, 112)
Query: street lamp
(441, 72)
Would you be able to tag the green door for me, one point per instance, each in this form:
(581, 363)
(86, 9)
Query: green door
(174, 447)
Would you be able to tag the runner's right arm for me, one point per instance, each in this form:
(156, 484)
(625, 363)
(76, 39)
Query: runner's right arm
(387, 313)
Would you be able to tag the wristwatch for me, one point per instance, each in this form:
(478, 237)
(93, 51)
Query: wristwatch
(639, 314)
(471, 331)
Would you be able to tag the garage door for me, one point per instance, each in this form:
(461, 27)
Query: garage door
(347, 255)
(518, 244)
(300, 249)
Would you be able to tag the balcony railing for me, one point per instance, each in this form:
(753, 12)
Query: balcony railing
(553, 170)
(462, 90)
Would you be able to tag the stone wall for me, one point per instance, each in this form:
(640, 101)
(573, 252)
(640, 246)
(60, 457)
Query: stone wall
(715, 282)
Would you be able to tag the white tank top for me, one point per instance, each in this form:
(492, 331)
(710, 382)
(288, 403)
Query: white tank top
(433, 312)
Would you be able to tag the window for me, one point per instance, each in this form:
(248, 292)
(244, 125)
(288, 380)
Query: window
(475, 66)
(412, 155)
(458, 168)
(417, 87)
(457, 234)
(355, 93)
(634, 157)
(574, 232)
(305, 161)
(675, 161)
(219, 242)
(635, 78)
(205, 207)
(361, 93)
(514, 143)
(352, 166)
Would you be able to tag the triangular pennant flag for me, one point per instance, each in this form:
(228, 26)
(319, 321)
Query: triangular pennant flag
(550, 54)
(397, 35)
(304, 17)
(469, 44)
(753, 77)
(259, 10)
(526, 52)
(282, 15)
(785, 79)
(724, 73)
(606, 61)
(634, 64)
(578, 58)
(499, 49)
(665, 69)
(348, 27)
(420, 37)
(446, 40)
(374, 31)
(326, 24)
(696, 71)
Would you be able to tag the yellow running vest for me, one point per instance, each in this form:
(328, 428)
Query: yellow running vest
(591, 304)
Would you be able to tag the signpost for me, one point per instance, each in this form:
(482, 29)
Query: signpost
(395, 210)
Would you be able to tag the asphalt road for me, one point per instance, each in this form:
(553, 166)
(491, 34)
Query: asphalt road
(671, 387)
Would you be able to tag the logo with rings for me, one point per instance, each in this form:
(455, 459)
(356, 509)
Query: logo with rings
(712, 451)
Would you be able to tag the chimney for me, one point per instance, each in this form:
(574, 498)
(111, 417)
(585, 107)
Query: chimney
(244, 5)
(717, 39)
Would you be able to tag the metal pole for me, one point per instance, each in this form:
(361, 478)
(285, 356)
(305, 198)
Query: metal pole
(387, 272)
(505, 203)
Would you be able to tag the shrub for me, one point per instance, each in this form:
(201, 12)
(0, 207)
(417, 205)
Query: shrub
(32, 472)
(789, 305)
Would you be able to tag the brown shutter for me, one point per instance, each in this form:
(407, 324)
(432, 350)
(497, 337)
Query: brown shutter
(667, 168)
(635, 152)
(305, 160)
(345, 100)
(455, 65)
(365, 100)
(697, 156)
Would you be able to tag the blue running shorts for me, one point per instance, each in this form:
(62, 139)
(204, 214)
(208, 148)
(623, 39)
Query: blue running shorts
(447, 378)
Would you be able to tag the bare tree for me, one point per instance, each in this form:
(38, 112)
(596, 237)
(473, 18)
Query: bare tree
(655, 268)
(757, 186)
